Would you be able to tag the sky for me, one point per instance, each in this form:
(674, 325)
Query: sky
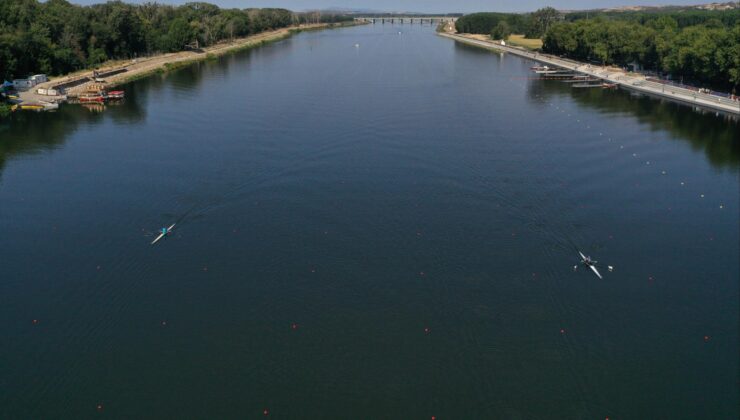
(430, 6)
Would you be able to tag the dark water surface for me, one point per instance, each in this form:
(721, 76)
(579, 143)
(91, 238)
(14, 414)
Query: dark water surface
(386, 231)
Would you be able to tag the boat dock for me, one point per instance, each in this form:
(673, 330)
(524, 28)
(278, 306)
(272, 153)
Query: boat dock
(633, 82)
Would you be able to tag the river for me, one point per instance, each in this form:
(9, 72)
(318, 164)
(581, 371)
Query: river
(386, 230)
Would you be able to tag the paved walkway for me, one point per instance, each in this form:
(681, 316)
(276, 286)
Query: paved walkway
(628, 81)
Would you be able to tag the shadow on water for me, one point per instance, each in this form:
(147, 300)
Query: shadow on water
(26, 132)
(33, 132)
(714, 134)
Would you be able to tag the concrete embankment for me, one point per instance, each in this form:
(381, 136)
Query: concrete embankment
(631, 81)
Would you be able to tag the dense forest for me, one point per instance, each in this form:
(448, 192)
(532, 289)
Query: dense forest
(57, 37)
(707, 53)
(698, 46)
(683, 16)
(533, 25)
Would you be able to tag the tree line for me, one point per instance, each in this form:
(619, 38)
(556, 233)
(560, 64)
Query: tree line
(57, 37)
(707, 53)
(683, 16)
(501, 25)
(698, 46)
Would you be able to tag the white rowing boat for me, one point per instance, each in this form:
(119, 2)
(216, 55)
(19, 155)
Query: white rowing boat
(163, 234)
(591, 265)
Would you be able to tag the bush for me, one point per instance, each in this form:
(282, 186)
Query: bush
(4, 110)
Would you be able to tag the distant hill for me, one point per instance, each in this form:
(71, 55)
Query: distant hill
(707, 6)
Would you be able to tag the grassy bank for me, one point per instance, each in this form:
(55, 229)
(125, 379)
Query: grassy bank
(170, 66)
(521, 41)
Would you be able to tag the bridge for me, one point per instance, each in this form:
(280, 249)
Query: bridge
(406, 19)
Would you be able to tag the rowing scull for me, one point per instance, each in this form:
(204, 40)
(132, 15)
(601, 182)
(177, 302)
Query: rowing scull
(591, 264)
(163, 234)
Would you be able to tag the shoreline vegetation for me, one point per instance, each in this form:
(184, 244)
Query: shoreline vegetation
(142, 68)
(610, 75)
(163, 63)
(55, 37)
(696, 46)
(59, 39)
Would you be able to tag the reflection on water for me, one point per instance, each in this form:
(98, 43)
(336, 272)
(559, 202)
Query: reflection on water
(713, 133)
(387, 230)
(30, 132)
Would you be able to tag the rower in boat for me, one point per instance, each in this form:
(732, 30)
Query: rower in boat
(162, 233)
(588, 262)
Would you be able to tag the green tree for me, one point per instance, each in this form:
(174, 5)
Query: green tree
(501, 31)
(541, 20)
(179, 35)
(55, 36)
(734, 52)
(705, 53)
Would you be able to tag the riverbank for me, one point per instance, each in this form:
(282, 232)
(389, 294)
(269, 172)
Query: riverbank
(632, 81)
(119, 72)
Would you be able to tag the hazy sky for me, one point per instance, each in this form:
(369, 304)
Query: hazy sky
(435, 6)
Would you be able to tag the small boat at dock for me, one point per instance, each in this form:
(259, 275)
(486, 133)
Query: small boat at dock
(50, 106)
(91, 98)
(556, 76)
(581, 79)
(115, 94)
(587, 85)
(31, 106)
